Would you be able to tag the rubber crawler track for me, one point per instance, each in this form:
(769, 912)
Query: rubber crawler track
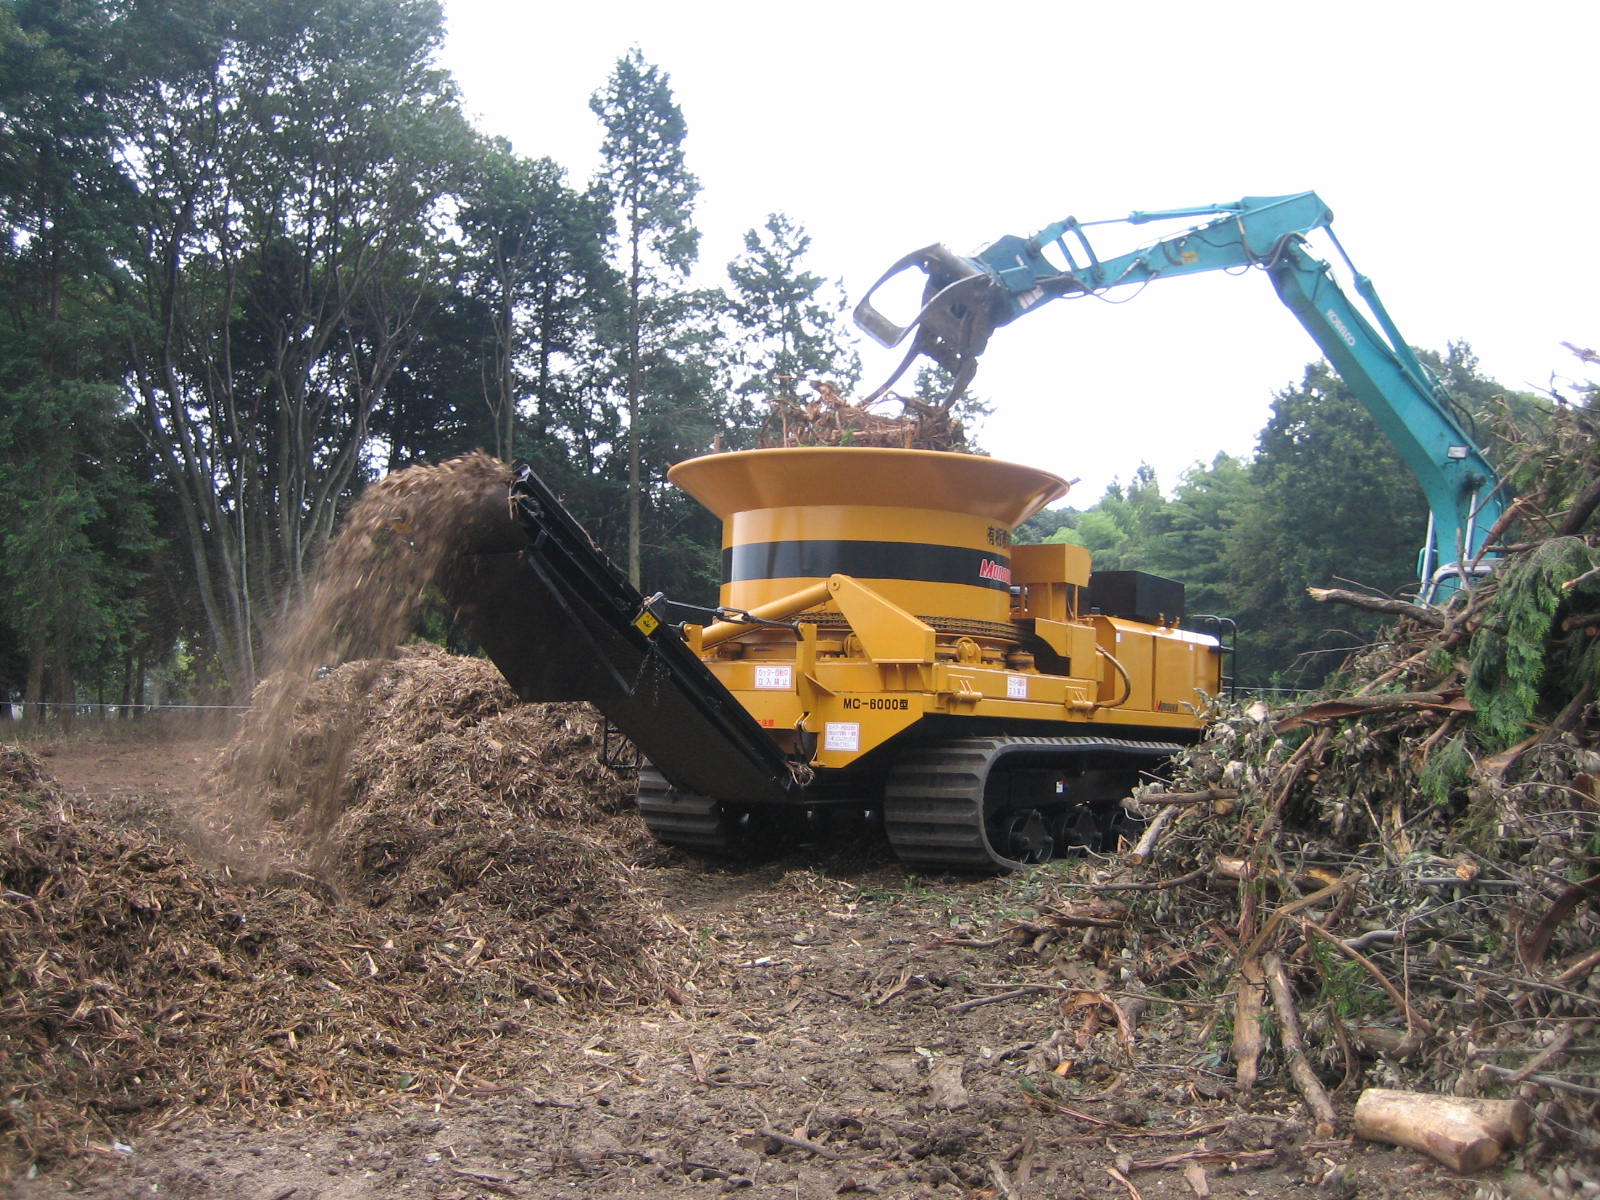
(682, 819)
(933, 807)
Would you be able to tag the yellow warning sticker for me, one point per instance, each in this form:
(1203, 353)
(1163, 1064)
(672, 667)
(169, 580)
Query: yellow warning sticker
(646, 623)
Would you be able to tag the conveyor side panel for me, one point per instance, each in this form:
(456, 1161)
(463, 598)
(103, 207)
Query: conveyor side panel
(562, 623)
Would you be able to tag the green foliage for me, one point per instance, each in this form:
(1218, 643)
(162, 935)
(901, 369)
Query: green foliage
(1447, 770)
(1334, 505)
(292, 180)
(73, 551)
(643, 168)
(1521, 650)
(78, 533)
(534, 274)
(789, 320)
(651, 193)
(1324, 501)
(1343, 985)
(1117, 531)
(1046, 524)
(1191, 537)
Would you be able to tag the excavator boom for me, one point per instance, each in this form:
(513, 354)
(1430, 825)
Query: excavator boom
(966, 299)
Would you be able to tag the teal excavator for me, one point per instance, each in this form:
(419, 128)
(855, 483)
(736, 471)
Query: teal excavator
(966, 299)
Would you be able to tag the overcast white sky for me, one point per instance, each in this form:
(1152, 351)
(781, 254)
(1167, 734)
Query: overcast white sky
(1455, 143)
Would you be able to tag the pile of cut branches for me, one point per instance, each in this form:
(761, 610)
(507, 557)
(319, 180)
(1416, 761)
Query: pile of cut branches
(829, 419)
(1399, 883)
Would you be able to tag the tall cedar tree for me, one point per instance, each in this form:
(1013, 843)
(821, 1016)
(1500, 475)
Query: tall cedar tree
(652, 196)
(534, 262)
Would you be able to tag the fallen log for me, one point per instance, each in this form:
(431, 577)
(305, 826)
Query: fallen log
(1145, 850)
(1250, 989)
(1228, 867)
(1464, 1134)
(1211, 795)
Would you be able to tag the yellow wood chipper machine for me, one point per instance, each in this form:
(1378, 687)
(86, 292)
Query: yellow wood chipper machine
(880, 645)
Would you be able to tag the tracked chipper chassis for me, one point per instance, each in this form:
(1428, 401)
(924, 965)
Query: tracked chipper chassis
(879, 645)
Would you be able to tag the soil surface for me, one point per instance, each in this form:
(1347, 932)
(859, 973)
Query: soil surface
(849, 1029)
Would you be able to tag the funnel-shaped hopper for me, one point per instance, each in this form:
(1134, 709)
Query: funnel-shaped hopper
(930, 531)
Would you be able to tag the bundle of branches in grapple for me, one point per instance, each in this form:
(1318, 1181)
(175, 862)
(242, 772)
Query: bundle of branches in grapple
(1406, 873)
(828, 419)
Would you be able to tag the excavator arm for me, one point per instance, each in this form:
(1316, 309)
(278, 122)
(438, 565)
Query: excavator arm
(966, 299)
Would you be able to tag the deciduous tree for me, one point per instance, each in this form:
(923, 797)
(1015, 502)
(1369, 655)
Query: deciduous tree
(291, 183)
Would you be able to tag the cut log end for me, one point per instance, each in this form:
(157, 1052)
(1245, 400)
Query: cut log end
(1465, 1135)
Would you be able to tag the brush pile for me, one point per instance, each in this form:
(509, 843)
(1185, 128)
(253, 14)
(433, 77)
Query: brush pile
(830, 420)
(1399, 885)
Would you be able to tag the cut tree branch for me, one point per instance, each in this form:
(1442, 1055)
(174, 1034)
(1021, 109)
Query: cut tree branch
(1383, 604)
(1294, 1048)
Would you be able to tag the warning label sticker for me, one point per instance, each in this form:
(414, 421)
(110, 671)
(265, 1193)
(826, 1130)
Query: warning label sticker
(842, 735)
(1016, 687)
(775, 678)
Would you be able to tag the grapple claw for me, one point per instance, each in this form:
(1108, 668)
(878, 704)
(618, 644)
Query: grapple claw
(960, 308)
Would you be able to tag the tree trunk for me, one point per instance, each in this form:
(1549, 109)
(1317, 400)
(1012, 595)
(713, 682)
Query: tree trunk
(33, 689)
(634, 450)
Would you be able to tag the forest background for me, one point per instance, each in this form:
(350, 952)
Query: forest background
(255, 255)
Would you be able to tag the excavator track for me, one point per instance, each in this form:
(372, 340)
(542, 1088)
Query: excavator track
(997, 804)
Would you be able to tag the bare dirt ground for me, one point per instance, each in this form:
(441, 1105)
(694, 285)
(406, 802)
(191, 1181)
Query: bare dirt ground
(847, 1029)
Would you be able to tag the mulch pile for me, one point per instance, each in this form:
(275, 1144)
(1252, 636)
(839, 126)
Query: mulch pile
(428, 867)
(401, 949)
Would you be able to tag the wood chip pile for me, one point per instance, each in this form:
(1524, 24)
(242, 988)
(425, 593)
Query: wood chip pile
(313, 962)
(375, 578)
(1399, 884)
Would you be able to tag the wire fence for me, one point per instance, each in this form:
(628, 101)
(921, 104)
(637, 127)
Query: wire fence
(17, 710)
(59, 711)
